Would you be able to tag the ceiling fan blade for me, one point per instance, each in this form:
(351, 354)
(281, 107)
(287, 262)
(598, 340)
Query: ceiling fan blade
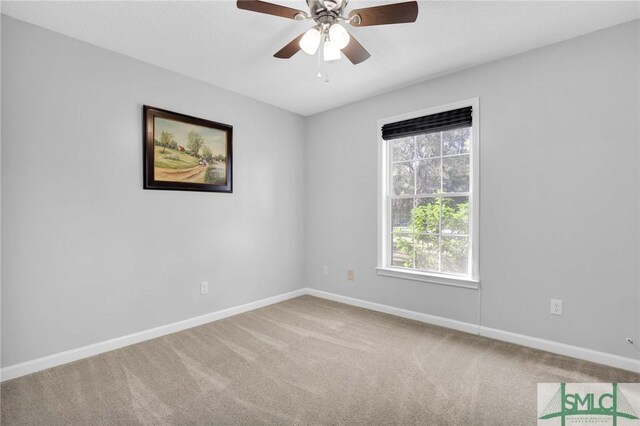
(270, 9)
(290, 49)
(397, 13)
(355, 52)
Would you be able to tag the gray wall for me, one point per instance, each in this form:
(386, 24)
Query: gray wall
(559, 206)
(87, 254)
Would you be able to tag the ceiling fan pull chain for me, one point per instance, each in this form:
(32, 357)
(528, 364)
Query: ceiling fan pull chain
(320, 61)
(322, 64)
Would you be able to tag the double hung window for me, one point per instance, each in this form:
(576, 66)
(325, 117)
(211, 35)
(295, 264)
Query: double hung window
(429, 195)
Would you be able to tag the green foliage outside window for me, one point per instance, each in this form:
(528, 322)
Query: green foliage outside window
(418, 245)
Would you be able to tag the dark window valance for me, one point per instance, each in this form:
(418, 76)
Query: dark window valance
(447, 120)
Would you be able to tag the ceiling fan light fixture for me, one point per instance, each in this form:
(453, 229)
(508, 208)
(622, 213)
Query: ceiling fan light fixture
(339, 36)
(310, 41)
(330, 17)
(331, 51)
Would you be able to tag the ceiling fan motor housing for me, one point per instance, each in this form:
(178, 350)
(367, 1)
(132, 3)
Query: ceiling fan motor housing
(326, 11)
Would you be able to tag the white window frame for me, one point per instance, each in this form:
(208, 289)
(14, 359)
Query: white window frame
(384, 203)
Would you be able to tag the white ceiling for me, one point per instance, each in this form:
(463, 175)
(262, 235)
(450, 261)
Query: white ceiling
(216, 42)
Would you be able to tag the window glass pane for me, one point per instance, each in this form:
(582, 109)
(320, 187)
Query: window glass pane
(428, 145)
(428, 178)
(403, 149)
(403, 179)
(427, 253)
(455, 254)
(455, 177)
(457, 141)
(425, 217)
(402, 254)
(455, 215)
(401, 214)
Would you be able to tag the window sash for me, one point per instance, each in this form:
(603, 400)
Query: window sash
(434, 195)
(389, 229)
(427, 158)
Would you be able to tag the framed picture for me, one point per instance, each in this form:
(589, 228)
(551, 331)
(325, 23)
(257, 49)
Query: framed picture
(186, 153)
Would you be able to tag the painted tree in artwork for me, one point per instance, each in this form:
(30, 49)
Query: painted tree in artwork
(166, 140)
(207, 154)
(194, 142)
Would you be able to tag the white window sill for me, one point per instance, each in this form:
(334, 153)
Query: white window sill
(429, 277)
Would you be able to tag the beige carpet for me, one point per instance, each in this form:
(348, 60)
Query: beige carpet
(304, 361)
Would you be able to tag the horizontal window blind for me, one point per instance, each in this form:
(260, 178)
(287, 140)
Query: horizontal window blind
(428, 124)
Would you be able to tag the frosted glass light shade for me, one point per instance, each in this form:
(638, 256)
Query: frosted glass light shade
(339, 36)
(310, 41)
(331, 52)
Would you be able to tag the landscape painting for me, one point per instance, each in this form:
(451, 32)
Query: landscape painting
(186, 153)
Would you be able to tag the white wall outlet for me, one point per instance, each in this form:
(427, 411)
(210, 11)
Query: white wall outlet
(204, 287)
(325, 270)
(556, 306)
(350, 275)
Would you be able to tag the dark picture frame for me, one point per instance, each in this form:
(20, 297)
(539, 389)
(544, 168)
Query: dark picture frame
(170, 162)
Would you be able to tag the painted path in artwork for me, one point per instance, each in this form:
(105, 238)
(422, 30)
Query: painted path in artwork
(194, 174)
(198, 174)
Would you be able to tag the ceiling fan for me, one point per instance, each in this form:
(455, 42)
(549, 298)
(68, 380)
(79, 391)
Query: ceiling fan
(328, 31)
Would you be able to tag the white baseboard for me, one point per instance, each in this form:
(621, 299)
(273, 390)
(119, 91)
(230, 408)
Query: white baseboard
(38, 364)
(54, 360)
(399, 312)
(563, 349)
(492, 333)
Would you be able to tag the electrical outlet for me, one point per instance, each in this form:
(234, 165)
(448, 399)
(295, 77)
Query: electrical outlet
(204, 287)
(350, 275)
(325, 270)
(556, 306)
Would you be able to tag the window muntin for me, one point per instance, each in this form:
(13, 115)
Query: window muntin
(429, 202)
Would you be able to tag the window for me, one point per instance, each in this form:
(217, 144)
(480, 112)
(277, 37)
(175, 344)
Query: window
(429, 195)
